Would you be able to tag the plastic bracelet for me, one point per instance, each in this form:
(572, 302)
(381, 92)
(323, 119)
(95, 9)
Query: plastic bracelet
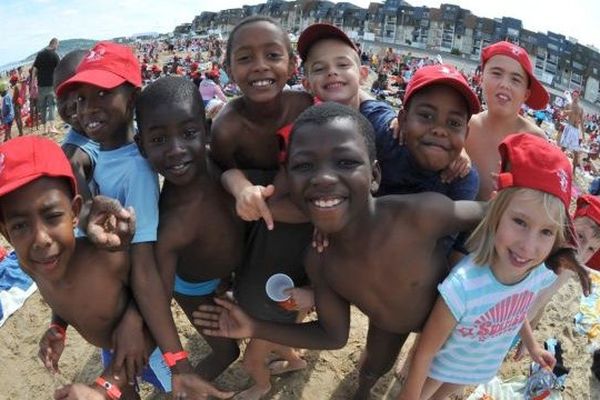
(172, 358)
(112, 390)
(61, 329)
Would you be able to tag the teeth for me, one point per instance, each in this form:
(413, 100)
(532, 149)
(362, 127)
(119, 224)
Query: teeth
(327, 203)
(334, 85)
(503, 97)
(93, 125)
(265, 82)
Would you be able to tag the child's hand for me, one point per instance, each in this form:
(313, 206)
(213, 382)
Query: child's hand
(320, 241)
(566, 258)
(458, 168)
(304, 298)
(129, 342)
(396, 130)
(78, 391)
(226, 319)
(108, 225)
(52, 345)
(543, 357)
(251, 204)
(192, 387)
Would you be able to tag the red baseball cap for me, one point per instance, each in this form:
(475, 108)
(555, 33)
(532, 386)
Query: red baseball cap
(27, 158)
(107, 65)
(530, 161)
(588, 206)
(316, 32)
(442, 74)
(538, 97)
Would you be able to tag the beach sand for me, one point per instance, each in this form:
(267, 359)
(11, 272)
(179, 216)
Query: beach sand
(329, 375)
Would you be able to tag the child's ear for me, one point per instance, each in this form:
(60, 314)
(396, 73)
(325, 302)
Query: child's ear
(76, 205)
(306, 84)
(376, 177)
(140, 145)
(363, 72)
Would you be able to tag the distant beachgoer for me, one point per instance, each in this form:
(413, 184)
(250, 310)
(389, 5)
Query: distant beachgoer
(43, 69)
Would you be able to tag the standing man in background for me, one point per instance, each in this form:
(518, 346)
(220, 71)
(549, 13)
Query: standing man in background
(43, 69)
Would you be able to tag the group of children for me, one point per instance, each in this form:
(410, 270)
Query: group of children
(278, 168)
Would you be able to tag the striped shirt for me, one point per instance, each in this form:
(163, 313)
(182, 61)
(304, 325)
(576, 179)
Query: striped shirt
(489, 315)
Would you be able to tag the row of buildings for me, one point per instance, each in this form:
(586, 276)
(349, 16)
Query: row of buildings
(560, 62)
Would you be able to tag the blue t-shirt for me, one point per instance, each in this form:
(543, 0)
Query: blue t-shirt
(125, 175)
(89, 147)
(489, 315)
(399, 172)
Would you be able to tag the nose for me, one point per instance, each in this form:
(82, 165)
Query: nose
(176, 148)
(324, 177)
(260, 63)
(439, 129)
(42, 238)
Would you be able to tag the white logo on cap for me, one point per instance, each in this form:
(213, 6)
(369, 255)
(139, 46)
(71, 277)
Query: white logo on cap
(1, 162)
(562, 179)
(515, 50)
(96, 54)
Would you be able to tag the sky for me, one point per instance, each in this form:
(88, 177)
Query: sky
(28, 26)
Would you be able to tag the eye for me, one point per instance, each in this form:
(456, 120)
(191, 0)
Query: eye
(274, 55)
(455, 124)
(348, 164)
(519, 222)
(79, 99)
(317, 69)
(548, 232)
(301, 167)
(425, 115)
(158, 139)
(190, 133)
(102, 93)
(17, 227)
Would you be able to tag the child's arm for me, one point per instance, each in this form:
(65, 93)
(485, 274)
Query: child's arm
(52, 343)
(149, 293)
(330, 331)
(438, 328)
(439, 216)
(537, 352)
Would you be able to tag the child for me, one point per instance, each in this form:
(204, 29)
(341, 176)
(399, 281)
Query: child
(484, 301)
(508, 82)
(80, 149)
(7, 111)
(387, 244)
(586, 222)
(172, 131)
(17, 101)
(251, 132)
(85, 287)
(33, 99)
(106, 83)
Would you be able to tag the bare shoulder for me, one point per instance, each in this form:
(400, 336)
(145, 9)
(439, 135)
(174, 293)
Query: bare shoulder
(227, 120)
(298, 101)
(526, 125)
(416, 208)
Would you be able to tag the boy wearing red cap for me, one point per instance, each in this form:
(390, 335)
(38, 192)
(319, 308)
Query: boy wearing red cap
(86, 287)
(107, 82)
(508, 81)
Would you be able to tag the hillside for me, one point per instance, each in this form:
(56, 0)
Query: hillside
(64, 47)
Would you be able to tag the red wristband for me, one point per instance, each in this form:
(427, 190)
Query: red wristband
(112, 390)
(61, 329)
(172, 358)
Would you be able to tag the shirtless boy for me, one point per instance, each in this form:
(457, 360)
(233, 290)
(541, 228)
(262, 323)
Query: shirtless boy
(387, 244)
(508, 82)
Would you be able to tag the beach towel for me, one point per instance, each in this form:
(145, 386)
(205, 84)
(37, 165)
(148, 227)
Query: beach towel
(15, 286)
(587, 320)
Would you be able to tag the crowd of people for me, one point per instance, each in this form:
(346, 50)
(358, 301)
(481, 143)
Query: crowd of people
(455, 218)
